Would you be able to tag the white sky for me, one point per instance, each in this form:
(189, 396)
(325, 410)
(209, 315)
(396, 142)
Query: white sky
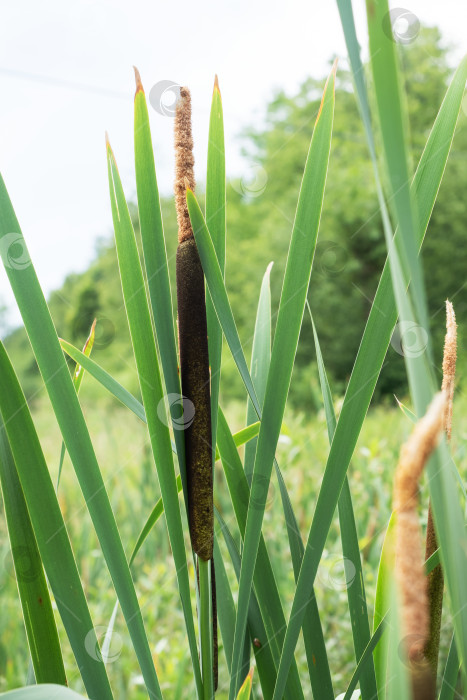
(79, 56)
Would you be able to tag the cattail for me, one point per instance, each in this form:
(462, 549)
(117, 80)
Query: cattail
(449, 365)
(193, 343)
(436, 577)
(410, 573)
(194, 360)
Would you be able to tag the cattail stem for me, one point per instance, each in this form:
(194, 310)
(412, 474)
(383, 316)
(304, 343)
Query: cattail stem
(195, 382)
(205, 601)
(436, 577)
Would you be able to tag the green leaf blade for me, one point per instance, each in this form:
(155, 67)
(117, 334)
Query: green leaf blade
(155, 259)
(49, 528)
(44, 645)
(215, 219)
(139, 321)
(370, 357)
(294, 291)
(62, 394)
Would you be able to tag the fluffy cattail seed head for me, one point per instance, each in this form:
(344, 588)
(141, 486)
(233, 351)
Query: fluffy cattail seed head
(184, 163)
(410, 573)
(449, 365)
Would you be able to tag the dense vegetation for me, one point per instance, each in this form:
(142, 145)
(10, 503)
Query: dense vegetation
(113, 459)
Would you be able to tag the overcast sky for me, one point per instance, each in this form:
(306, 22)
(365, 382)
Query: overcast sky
(66, 76)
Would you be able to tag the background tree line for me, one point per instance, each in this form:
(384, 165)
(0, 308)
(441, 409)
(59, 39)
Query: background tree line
(260, 210)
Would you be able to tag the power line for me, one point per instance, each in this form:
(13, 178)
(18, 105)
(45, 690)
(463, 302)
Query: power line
(58, 82)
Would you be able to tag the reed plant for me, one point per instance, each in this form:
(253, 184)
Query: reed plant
(221, 584)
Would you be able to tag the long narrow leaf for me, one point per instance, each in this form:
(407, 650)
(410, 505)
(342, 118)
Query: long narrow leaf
(49, 529)
(318, 665)
(364, 660)
(256, 629)
(447, 512)
(78, 375)
(41, 630)
(264, 580)
(218, 293)
(62, 394)
(385, 568)
(105, 379)
(215, 219)
(225, 604)
(451, 673)
(350, 549)
(155, 260)
(260, 361)
(289, 320)
(380, 324)
(134, 294)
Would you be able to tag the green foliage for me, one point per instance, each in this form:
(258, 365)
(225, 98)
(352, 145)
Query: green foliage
(273, 578)
(350, 251)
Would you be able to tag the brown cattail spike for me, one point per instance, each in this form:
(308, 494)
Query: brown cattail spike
(184, 163)
(193, 344)
(449, 365)
(410, 573)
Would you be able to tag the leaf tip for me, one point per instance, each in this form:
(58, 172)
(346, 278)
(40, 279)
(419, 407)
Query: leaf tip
(216, 84)
(139, 84)
(187, 185)
(333, 75)
(334, 66)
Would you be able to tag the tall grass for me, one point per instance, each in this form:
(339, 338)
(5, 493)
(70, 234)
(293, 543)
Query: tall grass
(254, 629)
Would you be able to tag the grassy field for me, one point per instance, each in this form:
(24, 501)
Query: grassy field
(131, 481)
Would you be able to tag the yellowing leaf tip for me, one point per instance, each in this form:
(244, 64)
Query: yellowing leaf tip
(139, 84)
